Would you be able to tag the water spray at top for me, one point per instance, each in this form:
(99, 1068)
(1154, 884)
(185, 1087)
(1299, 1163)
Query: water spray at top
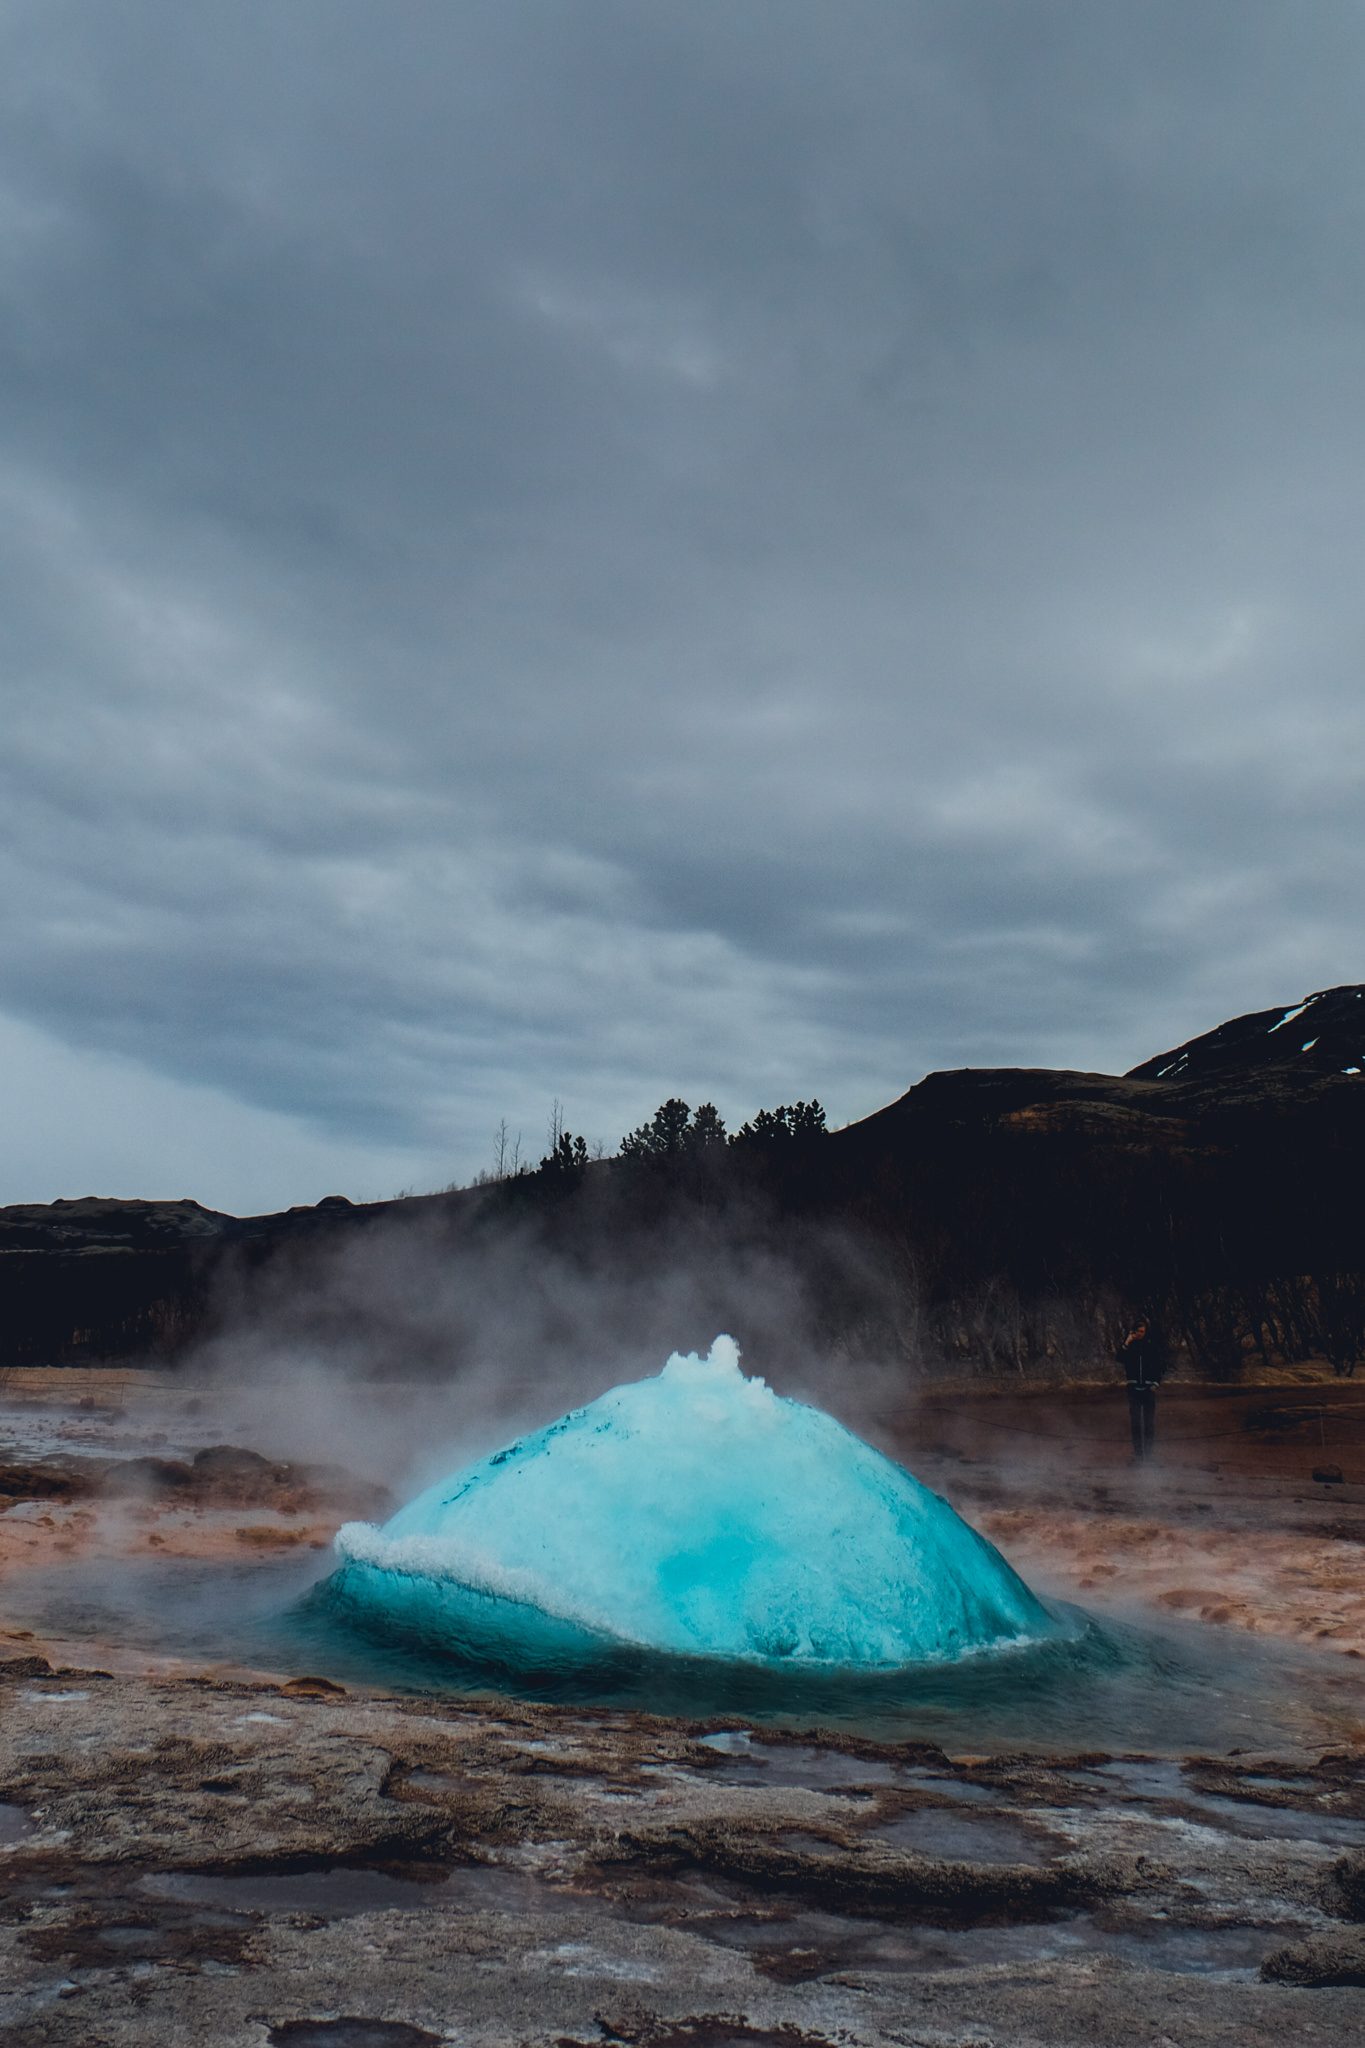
(695, 1513)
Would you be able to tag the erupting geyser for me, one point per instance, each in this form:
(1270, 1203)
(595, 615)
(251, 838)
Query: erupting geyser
(699, 1514)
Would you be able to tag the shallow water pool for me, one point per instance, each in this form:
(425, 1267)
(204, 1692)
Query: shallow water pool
(1165, 1689)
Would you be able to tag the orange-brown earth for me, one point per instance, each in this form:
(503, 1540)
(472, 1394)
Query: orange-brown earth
(1251, 1513)
(87, 1474)
(1227, 1524)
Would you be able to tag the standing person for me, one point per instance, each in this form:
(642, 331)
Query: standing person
(1143, 1358)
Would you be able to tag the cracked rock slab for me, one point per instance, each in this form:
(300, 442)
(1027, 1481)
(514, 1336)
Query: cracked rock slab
(246, 1863)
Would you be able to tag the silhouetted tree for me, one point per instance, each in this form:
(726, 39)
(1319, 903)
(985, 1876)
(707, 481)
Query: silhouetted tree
(776, 1126)
(665, 1136)
(708, 1128)
(567, 1159)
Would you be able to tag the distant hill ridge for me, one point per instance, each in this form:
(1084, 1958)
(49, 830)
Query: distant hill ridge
(1219, 1182)
(1324, 1034)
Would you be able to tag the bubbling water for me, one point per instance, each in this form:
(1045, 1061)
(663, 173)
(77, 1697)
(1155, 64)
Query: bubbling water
(696, 1514)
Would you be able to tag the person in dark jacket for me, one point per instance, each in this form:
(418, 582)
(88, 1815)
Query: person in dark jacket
(1143, 1358)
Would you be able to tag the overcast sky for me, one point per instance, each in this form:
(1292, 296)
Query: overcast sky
(595, 549)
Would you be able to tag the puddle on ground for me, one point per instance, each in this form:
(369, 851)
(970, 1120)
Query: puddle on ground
(965, 1837)
(341, 1891)
(142, 1940)
(1231, 1952)
(964, 1789)
(14, 1825)
(136, 1940)
(750, 1761)
(1139, 1778)
(1252, 1819)
(808, 1944)
(428, 1784)
(1257, 1822)
(786, 1939)
(350, 2034)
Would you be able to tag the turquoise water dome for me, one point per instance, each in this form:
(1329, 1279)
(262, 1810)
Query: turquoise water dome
(696, 1513)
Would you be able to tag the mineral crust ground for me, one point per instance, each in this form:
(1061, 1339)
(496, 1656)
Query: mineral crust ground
(254, 1863)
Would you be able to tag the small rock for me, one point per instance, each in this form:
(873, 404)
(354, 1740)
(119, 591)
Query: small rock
(1320, 1960)
(37, 1482)
(230, 1463)
(25, 1667)
(1328, 1475)
(1348, 1874)
(147, 1477)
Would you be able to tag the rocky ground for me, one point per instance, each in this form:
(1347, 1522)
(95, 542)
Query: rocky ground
(251, 1864)
(253, 1857)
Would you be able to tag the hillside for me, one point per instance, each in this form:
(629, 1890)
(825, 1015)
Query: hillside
(995, 1215)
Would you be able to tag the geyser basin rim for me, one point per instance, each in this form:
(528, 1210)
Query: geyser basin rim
(696, 1513)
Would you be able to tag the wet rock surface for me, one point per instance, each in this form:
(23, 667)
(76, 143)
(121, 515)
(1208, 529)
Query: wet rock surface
(219, 1476)
(225, 1475)
(252, 1863)
(41, 1482)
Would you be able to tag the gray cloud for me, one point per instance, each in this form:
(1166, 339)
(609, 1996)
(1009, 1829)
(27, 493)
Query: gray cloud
(591, 551)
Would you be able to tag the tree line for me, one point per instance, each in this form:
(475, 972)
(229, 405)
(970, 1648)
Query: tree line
(676, 1133)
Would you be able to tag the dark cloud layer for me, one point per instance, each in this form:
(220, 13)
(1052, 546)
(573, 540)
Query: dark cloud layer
(589, 551)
